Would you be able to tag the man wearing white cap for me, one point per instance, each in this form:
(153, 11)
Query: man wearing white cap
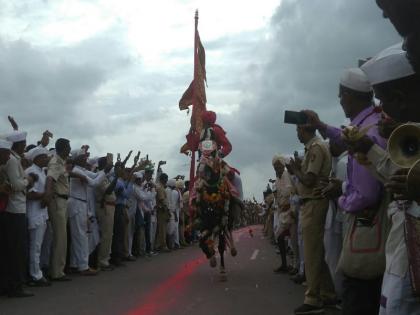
(15, 217)
(180, 186)
(172, 226)
(282, 193)
(396, 85)
(176, 195)
(5, 190)
(144, 196)
(361, 191)
(78, 212)
(134, 200)
(148, 208)
(37, 213)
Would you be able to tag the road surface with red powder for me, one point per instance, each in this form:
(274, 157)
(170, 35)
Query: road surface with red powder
(176, 283)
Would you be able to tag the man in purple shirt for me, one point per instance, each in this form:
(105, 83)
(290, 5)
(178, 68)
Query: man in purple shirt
(361, 190)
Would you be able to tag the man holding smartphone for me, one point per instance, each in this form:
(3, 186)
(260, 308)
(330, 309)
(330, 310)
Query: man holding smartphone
(361, 191)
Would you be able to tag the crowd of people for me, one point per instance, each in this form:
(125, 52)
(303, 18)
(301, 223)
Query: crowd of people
(63, 212)
(348, 207)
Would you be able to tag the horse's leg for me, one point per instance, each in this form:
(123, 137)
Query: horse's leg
(207, 250)
(221, 248)
(233, 250)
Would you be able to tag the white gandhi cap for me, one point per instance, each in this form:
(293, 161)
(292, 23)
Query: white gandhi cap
(37, 151)
(4, 144)
(390, 64)
(356, 80)
(16, 136)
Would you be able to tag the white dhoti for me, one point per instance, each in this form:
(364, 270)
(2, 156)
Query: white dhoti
(36, 237)
(79, 250)
(153, 230)
(93, 235)
(333, 243)
(176, 236)
(131, 230)
(397, 296)
(301, 256)
(46, 247)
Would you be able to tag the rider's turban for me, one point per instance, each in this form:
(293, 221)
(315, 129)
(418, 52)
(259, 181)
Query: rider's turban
(208, 117)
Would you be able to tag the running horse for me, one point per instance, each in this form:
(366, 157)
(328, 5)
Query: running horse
(213, 202)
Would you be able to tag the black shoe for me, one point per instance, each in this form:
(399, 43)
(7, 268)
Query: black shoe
(293, 271)
(106, 268)
(62, 279)
(332, 303)
(309, 309)
(116, 263)
(39, 283)
(281, 269)
(298, 279)
(19, 293)
(129, 258)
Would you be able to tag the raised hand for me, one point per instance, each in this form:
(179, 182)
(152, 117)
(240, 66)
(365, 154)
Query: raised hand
(313, 119)
(13, 123)
(136, 158)
(127, 157)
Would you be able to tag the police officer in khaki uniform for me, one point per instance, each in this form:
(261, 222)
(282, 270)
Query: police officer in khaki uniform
(316, 165)
(105, 209)
(57, 192)
(162, 207)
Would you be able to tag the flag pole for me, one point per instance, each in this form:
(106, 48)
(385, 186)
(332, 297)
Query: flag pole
(194, 103)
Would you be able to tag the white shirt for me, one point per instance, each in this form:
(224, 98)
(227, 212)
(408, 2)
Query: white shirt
(35, 213)
(338, 170)
(148, 197)
(176, 200)
(78, 190)
(396, 247)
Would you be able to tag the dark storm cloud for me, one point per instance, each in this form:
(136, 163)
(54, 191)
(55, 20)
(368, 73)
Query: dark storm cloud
(55, 87)
(312, 41)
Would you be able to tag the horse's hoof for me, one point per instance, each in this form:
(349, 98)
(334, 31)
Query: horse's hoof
(233, 252)
(213, 262)
(222, 270)
(223, 277)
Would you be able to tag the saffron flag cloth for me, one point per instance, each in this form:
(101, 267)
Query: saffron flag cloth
(196, 90)
(195, 94)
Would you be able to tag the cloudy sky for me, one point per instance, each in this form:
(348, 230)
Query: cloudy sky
(110, 73)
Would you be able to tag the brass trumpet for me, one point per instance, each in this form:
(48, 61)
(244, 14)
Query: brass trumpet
(404, 151)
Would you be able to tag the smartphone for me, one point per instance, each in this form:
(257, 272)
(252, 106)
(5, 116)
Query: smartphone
(295, 118)
(109, 158)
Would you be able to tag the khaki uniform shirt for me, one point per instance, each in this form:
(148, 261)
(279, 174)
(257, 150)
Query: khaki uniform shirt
(100, 192)
(57, 171)
(161, 198)
(317, 160)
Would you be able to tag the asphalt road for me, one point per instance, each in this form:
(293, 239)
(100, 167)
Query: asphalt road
(177, 283)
